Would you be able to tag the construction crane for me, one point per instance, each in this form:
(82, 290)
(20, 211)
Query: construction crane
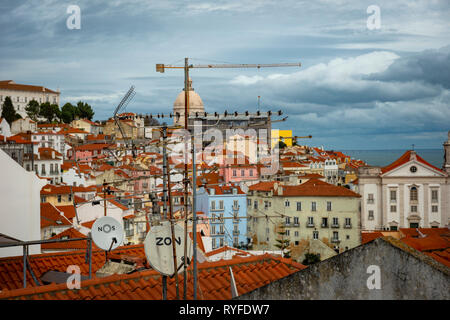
(122, 105)
(161, 68)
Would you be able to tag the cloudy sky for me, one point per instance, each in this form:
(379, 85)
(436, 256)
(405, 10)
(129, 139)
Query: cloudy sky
(358, 87)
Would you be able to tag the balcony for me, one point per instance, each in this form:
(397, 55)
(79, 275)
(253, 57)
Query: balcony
(236, 232)
(335, 240)
(324, 225)
(236, 208)
(310, 225)
(335, 225)
(296, 225)
(348, 226)
(370, 201)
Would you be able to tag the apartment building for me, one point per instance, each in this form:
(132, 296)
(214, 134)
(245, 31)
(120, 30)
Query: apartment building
(313, 210)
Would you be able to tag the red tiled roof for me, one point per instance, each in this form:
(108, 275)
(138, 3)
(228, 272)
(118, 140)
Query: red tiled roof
(11, 268)
(72, 245)
(428, 243)
(50, 215)
(69, 211)
(405, 158)
(370, 236)
(262, 186)
(11, 85)
(316, 188)
(214, 282)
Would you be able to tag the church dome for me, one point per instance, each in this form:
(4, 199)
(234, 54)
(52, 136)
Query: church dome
(195, 103)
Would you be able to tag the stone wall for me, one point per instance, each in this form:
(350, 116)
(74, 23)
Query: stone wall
(404, 274)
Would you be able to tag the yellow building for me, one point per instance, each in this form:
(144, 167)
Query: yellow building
(284, 135)
(314, 210)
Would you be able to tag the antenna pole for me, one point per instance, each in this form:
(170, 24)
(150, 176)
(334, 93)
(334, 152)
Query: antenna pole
(175, 264)
(194, 215)
(165, 195)
(186, 181)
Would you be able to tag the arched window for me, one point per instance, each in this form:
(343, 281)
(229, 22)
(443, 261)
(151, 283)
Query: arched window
(413, 194)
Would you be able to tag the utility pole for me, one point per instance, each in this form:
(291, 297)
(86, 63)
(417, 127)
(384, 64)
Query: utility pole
(166, 180)
(186, 178)
(194, 215)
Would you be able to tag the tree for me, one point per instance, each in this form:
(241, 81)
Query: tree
(8, 111)
(49, 111)
(85, 110)
(68, 112)
(283, 243)
(311, 258)
(32, 109)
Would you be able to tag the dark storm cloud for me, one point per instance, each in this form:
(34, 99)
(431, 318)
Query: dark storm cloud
(356, 87)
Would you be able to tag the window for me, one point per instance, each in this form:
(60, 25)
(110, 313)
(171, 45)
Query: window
(413, 194)
(234, 173)
(348, 221)
(299, 206)
(267, 230)
(288, 220)
(310, 220)
(235, 203)
(43, 169)
(220, 204)
(393, 228)
(266, 205)
(43, 199)
(347, 237)
(434, 208)
(393, 208)
(434, 195)
(413, 208)
(295, 220)
(324, 222)
(313, 206)
(251, 172)
(288, 233)
(335, 235)
(393, 195)
(59, 198)
(335, 221)
(328, 205)
(370, 198)
(70, 197)
(213, 205)
(286, 203)
(370, 215)
(255, 204)
(296, 234)
(249, 202)
(242, 172)
(316, 235)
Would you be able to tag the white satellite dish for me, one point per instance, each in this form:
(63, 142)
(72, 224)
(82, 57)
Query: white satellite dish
(107, 233)
(159, 251)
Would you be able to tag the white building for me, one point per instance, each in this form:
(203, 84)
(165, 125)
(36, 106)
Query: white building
(50, 139)
(21, 94)
(20, 217)
(47, 164)
(409, 193)
(331, 170)
(5, 129)
(23, 125)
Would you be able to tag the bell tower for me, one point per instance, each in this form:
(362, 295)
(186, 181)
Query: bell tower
(446, 165)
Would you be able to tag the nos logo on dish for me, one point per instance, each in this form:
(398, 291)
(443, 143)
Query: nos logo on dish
(106, 228)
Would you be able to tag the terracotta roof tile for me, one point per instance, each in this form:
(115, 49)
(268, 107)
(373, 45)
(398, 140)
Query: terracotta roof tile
(214, 282)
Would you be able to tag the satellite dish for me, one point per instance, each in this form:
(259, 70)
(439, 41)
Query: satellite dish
(107, 233)
(159, 251)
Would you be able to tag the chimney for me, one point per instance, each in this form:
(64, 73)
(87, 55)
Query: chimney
(412, 155)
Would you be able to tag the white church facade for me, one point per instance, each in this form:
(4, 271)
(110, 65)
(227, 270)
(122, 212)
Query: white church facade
(408, 193)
